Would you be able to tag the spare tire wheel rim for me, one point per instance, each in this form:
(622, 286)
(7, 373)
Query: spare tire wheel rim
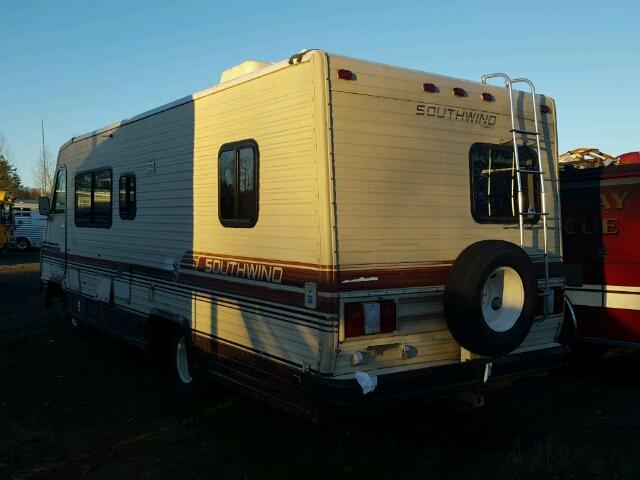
(502, 299)
(182, 361)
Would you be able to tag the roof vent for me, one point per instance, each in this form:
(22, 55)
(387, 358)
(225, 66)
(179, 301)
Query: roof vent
(244, 68)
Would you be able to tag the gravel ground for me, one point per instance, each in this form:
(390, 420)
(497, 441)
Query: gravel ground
(90, 407)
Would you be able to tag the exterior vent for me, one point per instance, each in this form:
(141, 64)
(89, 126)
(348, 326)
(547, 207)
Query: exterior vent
(242, 69)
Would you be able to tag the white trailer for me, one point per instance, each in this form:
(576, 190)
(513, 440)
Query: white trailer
(322, 230)
(30, 225)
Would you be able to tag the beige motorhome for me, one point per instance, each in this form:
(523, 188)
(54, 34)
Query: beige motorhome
(321, 231)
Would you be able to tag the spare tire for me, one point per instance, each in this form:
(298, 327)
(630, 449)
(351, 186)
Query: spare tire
(490, 297)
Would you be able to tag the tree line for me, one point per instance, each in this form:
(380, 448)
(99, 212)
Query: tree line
(10, 179)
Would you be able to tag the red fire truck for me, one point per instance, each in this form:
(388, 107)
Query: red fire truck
(600, 198)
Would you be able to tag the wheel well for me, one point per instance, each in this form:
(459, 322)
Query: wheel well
(161, 330)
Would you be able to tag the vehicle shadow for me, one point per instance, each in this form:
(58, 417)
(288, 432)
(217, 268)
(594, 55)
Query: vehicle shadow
(14, 257)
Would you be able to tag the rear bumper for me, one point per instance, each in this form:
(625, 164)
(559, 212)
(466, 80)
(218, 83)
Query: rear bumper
(436, 381)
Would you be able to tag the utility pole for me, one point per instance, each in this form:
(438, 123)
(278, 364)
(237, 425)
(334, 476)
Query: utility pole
(44, 162)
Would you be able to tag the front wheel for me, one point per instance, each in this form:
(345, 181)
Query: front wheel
(23, 244)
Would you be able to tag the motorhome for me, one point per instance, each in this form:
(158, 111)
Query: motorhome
(600, 211)
(321, 231)
(29, 225)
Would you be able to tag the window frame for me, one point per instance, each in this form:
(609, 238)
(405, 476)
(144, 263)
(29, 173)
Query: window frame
(129, 213)
(529, 219)
(54, 196)
(237, 146)
(91, 223)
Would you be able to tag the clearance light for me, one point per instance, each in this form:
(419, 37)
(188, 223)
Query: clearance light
(459, 92)
(487, 97)
(345, 74)
(545, 108)
(369, 318)
(430, 87)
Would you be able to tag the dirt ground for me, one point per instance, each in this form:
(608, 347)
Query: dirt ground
(89, 407)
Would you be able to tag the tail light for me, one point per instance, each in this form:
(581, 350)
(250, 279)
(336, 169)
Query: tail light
(369, 318)
(487, 97)
(545, 108)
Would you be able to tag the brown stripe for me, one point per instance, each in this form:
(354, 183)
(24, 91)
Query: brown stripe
(326, 281)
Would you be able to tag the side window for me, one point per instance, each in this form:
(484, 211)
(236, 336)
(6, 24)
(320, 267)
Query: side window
(238, 184)
(494, 184)
(59, 202)
(83, 199)
(93, 199)
(127, 196)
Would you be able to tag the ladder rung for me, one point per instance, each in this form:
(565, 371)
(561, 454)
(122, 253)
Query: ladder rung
(533, 214)
(524, 132)
(537, 172)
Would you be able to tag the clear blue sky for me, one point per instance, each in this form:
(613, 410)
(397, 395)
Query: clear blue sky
(83, 65)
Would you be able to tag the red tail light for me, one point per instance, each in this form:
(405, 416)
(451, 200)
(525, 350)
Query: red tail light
(345, 74)
(369, 318)
(387, 316)
(545, 108)
(459, 92)
(487, 97)
(353, 320)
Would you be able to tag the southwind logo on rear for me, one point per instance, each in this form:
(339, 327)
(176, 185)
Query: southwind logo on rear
(478, 117)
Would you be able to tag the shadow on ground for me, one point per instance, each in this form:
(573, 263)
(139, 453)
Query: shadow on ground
(89, 407)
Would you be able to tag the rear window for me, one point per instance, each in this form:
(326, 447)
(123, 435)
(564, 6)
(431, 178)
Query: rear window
(494, 187)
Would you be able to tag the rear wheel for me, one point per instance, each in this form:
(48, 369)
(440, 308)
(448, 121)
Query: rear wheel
(178, 360)
(77, 326)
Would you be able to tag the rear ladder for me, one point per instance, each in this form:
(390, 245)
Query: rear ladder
(515, 133)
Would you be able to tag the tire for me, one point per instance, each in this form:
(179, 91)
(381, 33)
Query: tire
(77, 327)
(179, 362)
(23, 244)
(490, 298)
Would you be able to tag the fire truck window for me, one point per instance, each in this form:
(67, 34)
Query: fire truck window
(59, 202)
(93, 199)
(238, 184)
(127, 205)
(494, 184)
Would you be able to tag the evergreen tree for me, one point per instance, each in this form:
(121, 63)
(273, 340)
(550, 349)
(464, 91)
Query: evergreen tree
(9, 178)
